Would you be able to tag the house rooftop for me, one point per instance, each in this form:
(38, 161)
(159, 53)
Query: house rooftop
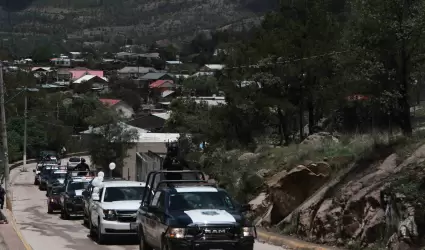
(109, 102)
(130, 69)
(153, 76)
(88, 78)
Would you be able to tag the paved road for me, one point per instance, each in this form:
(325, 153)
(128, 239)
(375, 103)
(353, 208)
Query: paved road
(46, 231)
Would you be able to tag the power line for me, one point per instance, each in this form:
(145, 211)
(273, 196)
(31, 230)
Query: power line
(259, 65)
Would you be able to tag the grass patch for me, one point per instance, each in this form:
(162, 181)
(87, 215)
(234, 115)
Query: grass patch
(349, 148)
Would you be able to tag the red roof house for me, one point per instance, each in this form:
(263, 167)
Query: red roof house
(109, 102)
(162, 84)
(76, 74)
(121, 107)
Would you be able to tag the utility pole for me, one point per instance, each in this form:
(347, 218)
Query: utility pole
(4, 135)
(57, 110)
(24, 165)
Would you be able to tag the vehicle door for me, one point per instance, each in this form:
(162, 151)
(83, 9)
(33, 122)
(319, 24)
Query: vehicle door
(62, 196)
(152, 219)
(87, 199)
(94, 208)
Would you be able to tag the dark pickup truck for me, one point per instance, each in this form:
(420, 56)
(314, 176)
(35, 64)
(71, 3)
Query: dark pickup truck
(191, 214)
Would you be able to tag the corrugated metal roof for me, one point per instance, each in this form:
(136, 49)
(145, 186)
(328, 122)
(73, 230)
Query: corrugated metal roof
(89, 77)
(153, 76)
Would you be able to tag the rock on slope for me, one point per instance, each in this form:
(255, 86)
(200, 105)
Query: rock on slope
(352, 208)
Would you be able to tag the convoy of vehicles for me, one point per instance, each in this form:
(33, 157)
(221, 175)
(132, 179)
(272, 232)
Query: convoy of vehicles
(182, 213)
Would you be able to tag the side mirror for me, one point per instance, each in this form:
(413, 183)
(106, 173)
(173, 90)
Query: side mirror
(33, 170)
(245, 208)
(95, 197)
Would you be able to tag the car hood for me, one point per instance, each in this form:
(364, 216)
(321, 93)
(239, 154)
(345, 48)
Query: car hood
(207, 217)
(121, 205)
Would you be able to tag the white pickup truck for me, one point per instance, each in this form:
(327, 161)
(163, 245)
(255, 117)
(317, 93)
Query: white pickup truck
(113, 208)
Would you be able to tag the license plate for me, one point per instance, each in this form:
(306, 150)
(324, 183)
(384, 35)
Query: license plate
(133, 226)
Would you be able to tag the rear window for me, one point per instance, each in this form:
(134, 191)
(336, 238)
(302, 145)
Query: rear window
(74, 159)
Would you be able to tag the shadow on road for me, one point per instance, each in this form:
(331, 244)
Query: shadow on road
(118, 240)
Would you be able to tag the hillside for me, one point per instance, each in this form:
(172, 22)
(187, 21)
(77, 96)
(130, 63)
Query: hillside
(147, 20)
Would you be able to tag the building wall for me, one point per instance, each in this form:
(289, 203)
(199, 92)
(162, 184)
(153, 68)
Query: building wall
(129, 168)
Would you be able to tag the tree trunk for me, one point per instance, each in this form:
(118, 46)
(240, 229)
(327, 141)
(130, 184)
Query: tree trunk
(301, 120)
(283, 128)
(405, 121)
(311, 120)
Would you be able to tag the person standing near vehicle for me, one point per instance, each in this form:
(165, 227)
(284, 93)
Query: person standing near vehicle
(2, 194)
(63, 152)
(82, 166)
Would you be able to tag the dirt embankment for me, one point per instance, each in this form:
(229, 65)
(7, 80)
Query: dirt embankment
(363, 204)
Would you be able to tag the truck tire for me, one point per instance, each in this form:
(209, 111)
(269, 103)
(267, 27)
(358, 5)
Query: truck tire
(143, 245)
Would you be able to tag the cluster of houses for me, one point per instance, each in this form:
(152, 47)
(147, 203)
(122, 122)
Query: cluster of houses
(148, 121)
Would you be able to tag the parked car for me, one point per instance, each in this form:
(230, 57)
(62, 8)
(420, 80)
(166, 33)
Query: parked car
(73, 162)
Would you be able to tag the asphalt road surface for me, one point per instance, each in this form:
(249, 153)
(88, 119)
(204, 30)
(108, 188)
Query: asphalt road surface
(48, 231)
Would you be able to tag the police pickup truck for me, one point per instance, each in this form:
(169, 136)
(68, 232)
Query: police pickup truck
(71, 201)
(191, 214)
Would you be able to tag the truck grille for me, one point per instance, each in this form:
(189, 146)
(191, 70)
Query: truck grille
(126, 212)
(214, 232)
(78, 200)
(126, 219)
(126, 215)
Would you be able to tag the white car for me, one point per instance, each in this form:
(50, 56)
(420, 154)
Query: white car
(114, 207)
(73, 162)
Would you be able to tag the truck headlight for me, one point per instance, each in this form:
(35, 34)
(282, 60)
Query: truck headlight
(249, 232)
(109, 215)
(176, 233)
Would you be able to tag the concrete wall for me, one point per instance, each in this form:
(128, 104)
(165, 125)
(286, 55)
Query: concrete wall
(129, 168)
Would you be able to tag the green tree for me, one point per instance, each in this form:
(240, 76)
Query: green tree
(111, 140)
(388, 36)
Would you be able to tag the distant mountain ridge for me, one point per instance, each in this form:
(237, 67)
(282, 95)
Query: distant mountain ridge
(141, 19)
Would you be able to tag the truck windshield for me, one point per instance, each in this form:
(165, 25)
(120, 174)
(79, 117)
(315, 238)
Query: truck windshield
(58, 176)
(123, 194)
(74, 159)
(200, 200)
(77, 186)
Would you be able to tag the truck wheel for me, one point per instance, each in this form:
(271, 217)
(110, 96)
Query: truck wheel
(164, 245)
(100, 236)
(85, 221)
(91, 229)
(49, 210)
(143, 245)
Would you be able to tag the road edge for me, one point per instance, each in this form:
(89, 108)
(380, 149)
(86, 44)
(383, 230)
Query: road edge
(18, 232)
(283, 240)
(11, 216)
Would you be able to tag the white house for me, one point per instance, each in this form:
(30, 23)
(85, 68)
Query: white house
(121, 107)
